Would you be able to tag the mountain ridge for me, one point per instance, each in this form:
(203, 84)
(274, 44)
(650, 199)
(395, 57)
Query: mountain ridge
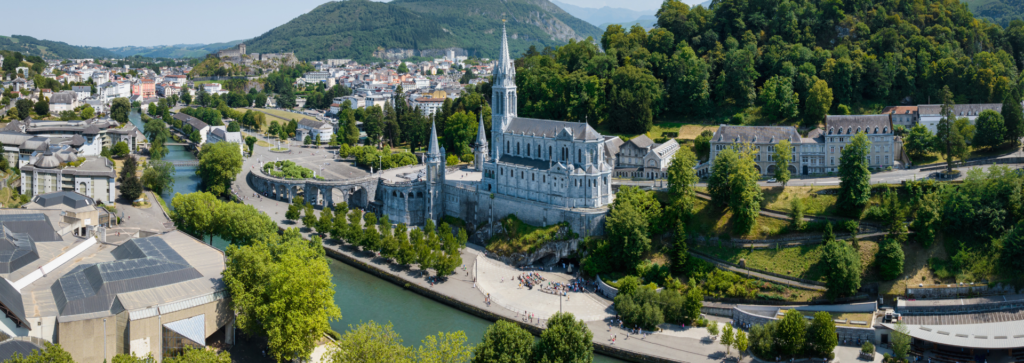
(50, 49)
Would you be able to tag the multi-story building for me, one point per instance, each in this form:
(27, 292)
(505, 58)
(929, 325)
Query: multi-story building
(82, 92)
(315, 128)
(905, 116)
(640, 157)
(839, 131)
(552, 162)
(763, 139)
(930, 115)
(428, 105)
(314, 77)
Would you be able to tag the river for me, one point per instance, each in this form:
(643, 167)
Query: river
(360, 296)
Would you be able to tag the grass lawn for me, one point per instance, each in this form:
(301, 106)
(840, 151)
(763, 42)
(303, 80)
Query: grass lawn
(711, 220)
(163, 204)
(986, 152)
(517, 236)
(781, 199)
(802, 262)
(203, 82)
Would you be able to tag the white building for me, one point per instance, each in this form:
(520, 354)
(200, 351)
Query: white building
(111, 90)
(314, 128)
(82, 92)
(314, 77)
(930, 115)
(428, 106)
(64, 101)
(221, 134)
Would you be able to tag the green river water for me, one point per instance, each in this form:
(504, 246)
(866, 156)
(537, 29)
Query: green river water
(363, 297)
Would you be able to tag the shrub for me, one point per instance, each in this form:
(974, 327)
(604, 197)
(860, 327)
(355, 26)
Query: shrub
(867, 348)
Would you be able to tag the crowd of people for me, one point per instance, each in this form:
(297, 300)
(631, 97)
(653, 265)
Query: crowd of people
(529, 279)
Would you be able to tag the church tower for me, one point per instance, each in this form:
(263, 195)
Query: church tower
(480, 150)
(503, 95)
(435, 177)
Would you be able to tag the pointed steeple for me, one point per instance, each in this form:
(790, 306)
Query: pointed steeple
(481, 136)
(433, 152)
(506, 70)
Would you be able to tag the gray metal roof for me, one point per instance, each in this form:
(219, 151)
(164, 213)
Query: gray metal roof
(550, 128)
(141, 263)
(755, 134)
(70, 199)
(641, 141)
(853, 124)
(36, 225)
(964, 110)
(63, 97)
(16, 250)
(11, 298)
(312, 123)
(9, 347)
(1002, 335)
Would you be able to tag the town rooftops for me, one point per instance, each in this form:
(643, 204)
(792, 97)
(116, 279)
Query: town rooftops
(755, 134)
(63, 97)
(551, 129)
(429, 99)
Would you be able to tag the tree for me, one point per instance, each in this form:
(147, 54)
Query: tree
(681, 181)
(466, 77)
(900, 339)
(843, 269)
(326, 223)
(370, 342)
(1013, 117)
(854, 176)
(821, 335)
(1013, 247)
(791, 333)
(919, 141)
(702, 145)
(712, 328)
(634, 99)
(727, 337)
(194, 355)
(277, 285)
(195, 213)
(950, 141)
(42, 107)
(746, 197)
(13, 112)
(819, 101)
(989, 129)
(88, 112)
(445, 348)
(309, 216)
(131, 188)
(234, 127)
(120, 149)
(51, 353)
(186, 96)
(504, 342)
(129, 168)
(783, 155)
(219, 163)
(242, 224)
(294, 209)
(735, 81)
(159, 177)
(694, 302)
(778, 99)
(740, 342)
(250, 142)
(629, 225)
(718, 184)
(119, 109)
(132, 358)
(890, 259)
(402, 68)
(24, 107)
(566, 340)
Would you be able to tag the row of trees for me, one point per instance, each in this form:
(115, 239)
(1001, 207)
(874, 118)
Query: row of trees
(429, 247)
(640, 305)
(54, 353)
(202, 215)
(793, 337)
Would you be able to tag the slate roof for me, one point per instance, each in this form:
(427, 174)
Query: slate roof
(551, 129)
(140, 263)
(191, 121)
(70, 199)
(63, 97)
(853, 124)
(10, 346)
(964, 110)
(311, 123)
(12, 299)
(755, 134)
(16, 250)
(641, 142)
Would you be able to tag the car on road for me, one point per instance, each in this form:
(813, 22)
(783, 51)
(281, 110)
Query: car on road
(773, 180)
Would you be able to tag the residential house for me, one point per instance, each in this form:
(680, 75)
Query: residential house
(641, 157)
(82, 92)
(221, 134)
(905, 116)
(64, 101)
(930, 115)
(189, 123)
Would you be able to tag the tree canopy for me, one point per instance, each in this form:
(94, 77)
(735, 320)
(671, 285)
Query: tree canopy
(219, 163)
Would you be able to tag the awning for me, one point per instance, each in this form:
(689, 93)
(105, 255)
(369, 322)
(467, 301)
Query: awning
(193, 328)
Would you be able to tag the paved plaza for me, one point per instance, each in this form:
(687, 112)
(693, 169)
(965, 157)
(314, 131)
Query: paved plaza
(499, 280)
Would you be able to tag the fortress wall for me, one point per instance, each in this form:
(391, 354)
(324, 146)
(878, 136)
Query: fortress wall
(480, 208)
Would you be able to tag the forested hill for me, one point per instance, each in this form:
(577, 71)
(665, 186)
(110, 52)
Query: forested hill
(356, 28)
(173, 51)
(1001, 12)
(50, 49)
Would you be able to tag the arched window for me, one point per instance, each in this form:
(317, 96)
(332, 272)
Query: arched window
(393, 194)
(506, 146)
(549, 152)
(538, 150)
(885, 130)
(579, 156)
(502, 171)
(527, 149)
(517, 148)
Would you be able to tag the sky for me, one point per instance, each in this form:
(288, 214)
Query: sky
(115, 23)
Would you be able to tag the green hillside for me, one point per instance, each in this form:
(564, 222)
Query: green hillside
(173, 51)
(51, 49)
(1001, 12)
(356, 28)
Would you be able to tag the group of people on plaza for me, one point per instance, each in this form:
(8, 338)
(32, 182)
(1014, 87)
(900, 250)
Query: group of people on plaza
(529, 279)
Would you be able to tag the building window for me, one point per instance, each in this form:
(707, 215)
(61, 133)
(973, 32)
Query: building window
(517, 148)
(549, 151)
(538, 150)
(878, 159)
(833, 161)
(527, 150)
(832, 150)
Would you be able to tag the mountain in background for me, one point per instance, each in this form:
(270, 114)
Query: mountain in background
(51, 49)
(173, 51)
(646, 21)
(363, 30)
(1001, 12)
(601, 17)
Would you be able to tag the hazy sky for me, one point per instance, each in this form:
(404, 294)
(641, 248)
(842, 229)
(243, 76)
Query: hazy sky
(113, 23)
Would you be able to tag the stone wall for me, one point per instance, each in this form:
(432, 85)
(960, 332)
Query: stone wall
(480, 208)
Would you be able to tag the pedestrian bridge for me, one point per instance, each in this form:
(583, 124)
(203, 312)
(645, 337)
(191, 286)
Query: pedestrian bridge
(178, 163)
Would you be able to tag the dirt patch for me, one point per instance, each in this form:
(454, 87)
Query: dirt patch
(915, 268)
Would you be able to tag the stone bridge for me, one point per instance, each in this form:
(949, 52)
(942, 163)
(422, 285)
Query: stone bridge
(356, 192)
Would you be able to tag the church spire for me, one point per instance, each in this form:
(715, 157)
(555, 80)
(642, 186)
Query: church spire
(481, 136)
(433, 152)
(506, 72)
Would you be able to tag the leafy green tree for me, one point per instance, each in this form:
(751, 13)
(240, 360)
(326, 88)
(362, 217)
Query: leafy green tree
(51, 353)
(119, 109)
(634, 99)
(42, 108)
(241, 224)
(778, 99)
(131, 188)
(702, 145)
(294, 209)
(326, 223)
(727, 337)
(1013, 247)
(370, 342)
(1013, 117)
(746, 195)
(566, 340)
(195, 213)
(686, 82)
(159, 177)
(309, 218)
(87, 112)
(132, 358)
(120, 149)
(783, 155)
(919, 141)
(735, 82)
(990, 130)
(277, 285)
(24, 107)
(194, 355)
(821, 335)
(504, 342)
(219, 163)
(445, 348)
(694, 302)
(890, 259)
(843, 269)
(900, 339)
(402, 68)
(819, 101)
(629, 225)
(681, 181)
(854, 176)
(740, 342)
(721, 168)
(791, 333)
(712, 328)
